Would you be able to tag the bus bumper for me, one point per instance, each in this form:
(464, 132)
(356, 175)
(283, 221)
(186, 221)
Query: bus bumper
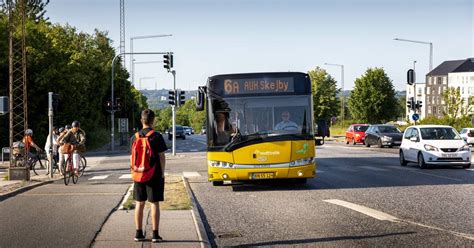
(238, 174)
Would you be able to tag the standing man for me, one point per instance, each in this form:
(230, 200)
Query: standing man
(153, 189)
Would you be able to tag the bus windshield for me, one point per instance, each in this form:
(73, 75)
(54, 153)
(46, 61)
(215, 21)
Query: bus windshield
(259, 118)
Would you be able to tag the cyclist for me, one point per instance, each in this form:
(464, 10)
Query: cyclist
(77, 138)
(28, 141)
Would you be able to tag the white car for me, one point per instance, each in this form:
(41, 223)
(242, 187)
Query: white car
(467, 134)
(434, 145)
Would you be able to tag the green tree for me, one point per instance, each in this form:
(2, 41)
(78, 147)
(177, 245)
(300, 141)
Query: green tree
(163, 122)
(373, 98)
(454, 103)
(324, 88)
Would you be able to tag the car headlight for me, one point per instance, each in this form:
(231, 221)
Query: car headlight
(301, 162)
(386, 138)
(357, 135)
(464, 148)
(220, 164)
(431, 148)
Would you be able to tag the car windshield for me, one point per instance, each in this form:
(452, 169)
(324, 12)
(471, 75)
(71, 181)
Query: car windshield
(439, 133)
(388, 129)
(360, 128)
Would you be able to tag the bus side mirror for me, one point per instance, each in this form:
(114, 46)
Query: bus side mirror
(201, 98)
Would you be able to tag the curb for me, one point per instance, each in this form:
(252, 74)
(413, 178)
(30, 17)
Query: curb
(201, 230)
(24, 189)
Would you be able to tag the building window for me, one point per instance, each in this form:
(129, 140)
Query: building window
(439, 80)
(429, 110)
(434, 110)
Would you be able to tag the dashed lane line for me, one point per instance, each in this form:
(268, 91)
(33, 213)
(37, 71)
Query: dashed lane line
(373, 168)
(126, 176)
(98, 177)
(386, 217)
(191, 174)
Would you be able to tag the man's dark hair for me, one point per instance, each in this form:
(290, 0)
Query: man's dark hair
(148, 116)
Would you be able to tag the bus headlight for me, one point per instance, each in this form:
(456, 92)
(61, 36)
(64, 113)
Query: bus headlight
(301, 162)
(220, 164)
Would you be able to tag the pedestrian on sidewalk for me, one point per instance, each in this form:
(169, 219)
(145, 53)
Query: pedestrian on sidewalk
(148, 170)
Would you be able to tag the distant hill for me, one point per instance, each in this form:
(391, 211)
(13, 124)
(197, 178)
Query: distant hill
(158, 99)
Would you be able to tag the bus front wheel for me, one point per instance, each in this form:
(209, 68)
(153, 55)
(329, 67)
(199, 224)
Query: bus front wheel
(217, 183)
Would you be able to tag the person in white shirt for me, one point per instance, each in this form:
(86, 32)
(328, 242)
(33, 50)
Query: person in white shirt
(286, 124)
(47, 146)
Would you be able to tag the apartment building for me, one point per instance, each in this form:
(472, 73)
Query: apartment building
(463, 78)
(437, 81)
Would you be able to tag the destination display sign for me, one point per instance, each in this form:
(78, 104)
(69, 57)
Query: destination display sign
(258, 86)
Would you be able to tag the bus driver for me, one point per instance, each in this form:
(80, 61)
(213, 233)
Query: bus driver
(286, 124)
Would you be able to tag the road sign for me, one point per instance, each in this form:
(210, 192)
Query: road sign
(123, 125)
(415, 117)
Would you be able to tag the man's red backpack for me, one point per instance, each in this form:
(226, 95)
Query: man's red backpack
(142, 170)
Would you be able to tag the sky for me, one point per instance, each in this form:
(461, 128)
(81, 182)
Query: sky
(213, 37)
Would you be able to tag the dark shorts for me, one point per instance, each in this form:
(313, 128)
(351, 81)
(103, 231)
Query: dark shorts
(153, 190)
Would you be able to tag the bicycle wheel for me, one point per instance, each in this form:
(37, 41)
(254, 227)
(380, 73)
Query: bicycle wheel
(75, 177)
(67, 170)
(41, 166)
(83, 165)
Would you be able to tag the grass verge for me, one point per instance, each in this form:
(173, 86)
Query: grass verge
(176, 196)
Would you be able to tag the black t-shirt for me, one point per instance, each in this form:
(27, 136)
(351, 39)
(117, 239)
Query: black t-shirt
(157, 144)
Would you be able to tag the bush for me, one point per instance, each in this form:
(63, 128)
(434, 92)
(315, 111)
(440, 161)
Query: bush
(457, 123)
(101, 137)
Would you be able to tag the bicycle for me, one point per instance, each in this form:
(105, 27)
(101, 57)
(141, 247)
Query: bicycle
(68, 170)
(83, 164)
(38, 162)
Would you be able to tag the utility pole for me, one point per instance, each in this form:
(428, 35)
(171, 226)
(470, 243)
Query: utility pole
(18, 93)
(122, 30)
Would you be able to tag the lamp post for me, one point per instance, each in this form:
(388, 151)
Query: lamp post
(342, 89)
(132, 70)
(173, 111)
(422, 42)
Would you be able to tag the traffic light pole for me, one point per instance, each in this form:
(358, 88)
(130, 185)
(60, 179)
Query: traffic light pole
(173, 110)
(113, 109)
(51, 145)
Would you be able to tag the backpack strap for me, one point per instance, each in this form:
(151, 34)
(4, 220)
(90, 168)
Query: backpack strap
(150, 133)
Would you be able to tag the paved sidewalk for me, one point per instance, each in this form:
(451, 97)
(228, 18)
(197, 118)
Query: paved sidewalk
(177, 228)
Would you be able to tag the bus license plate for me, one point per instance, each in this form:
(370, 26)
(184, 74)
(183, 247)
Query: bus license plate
(268, 175)
(449, 155)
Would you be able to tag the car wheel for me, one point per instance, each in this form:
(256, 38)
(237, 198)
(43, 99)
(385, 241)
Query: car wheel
(390, 146)
(354, 142)
(366, 143)
(169, 137)
(403, 162)
(347, 141)
(466, 166)
(379, 143)
(421, 161)
(217, 183)
(184, 137)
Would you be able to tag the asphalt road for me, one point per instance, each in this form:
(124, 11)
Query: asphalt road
(56, 215)
(360, 197)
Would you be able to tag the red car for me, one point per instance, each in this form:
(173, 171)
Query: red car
(356, 133)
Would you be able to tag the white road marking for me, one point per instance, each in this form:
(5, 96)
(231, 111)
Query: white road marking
(319, 171)
(194, 150)
(373, 168)
(433, 175)
(364, 210)
(469, 169)
(383, 216)
(99, 177)
(191, 174)
(126, 176)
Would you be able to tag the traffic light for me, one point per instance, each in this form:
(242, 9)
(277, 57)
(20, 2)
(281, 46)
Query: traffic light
(181, 97)
(172, 97)
(118, 103)
(410, 77)
(108, 105)
(168, 61)
(419, 104)
(411, 104)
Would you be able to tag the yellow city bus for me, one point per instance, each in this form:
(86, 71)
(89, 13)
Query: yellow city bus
(258, 126)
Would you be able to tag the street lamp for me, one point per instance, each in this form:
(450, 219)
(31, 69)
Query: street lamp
(342, 89)
(422, 42)
(131, 49)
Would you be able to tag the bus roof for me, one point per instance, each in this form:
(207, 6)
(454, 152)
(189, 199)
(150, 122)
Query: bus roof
(258, 74)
